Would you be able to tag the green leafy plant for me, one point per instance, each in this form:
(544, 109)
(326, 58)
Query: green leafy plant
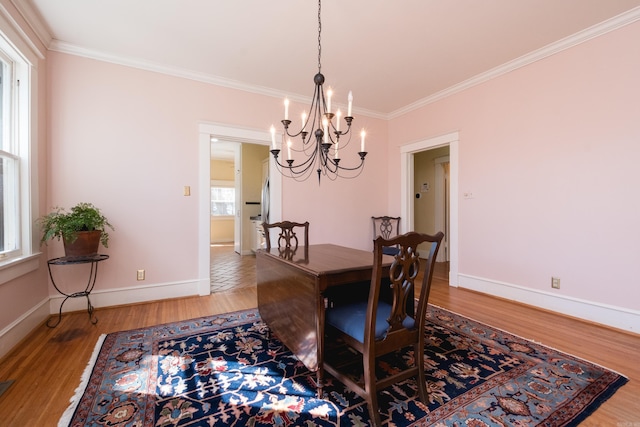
(82, 217)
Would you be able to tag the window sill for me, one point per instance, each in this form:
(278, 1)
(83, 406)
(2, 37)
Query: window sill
(14, 268)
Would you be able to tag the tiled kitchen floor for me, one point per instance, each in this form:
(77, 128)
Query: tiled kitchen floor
(229, 270)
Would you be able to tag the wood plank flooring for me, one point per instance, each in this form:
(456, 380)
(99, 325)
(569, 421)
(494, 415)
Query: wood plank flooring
(48, 364)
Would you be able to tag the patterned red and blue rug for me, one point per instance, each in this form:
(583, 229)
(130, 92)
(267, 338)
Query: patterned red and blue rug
(226, 370)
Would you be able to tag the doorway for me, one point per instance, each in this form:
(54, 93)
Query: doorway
(233, 134)
(408, 191)
(431, 204)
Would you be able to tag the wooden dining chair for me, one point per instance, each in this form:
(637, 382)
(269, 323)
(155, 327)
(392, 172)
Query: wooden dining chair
(387, 227)
(287, 239)
(374, 327)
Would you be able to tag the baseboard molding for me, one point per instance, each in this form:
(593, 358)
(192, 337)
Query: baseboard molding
(616, 317)
(12, 334)
(132, 295)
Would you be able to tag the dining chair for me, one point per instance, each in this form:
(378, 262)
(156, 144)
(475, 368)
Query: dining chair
(387, 227)
(374, 327)
(287, 239)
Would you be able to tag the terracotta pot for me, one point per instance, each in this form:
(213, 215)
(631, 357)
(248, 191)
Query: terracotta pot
(85, 245)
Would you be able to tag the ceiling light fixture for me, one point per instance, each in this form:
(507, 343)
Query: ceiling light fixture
(324, 152)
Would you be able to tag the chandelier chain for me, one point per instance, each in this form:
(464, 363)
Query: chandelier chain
(319, 43)
(322, 139)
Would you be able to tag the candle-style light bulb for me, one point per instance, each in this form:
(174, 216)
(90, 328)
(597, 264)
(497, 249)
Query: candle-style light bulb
(289, 149)
(286, 108)
(350, 98)
(338, 115)
(304, 118)
(273, 138)
(362, 134)
(329, 94)
(336, 155)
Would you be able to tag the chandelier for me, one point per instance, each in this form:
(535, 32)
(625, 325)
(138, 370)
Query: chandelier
(320, 135)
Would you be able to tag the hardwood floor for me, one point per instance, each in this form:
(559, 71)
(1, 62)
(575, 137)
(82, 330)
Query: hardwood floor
(48, 364)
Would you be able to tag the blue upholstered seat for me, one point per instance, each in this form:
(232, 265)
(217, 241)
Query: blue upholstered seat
(399, 319)
(390, 250)
(351, 319)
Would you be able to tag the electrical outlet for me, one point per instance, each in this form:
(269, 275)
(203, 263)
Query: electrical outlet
(140, 274)
(555, 282)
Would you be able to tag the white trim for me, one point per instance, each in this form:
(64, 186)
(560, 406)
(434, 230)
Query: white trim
(529, 58)
(616, 317)
(17, 330)
(406, 191)
(17, 267)
(229, 133)
(537, 55)
(58, 46)
(126, 296)
(18, 37)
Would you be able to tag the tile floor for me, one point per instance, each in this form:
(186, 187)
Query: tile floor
(230, 270)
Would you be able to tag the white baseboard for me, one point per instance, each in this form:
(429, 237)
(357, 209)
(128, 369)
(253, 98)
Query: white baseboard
(123, 296)
(616, 317)
(12, 334)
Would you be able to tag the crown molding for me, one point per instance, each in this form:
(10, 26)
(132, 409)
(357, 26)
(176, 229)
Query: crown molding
(34, 21)
(597, 30)
(71, 49)
(568, 42)
(12, 25)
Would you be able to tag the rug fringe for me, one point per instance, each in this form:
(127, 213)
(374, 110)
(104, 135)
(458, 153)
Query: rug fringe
(84, 381)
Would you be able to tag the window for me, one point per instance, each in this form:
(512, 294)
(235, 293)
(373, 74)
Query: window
(16, 191)
(9, 167)
(223, 198)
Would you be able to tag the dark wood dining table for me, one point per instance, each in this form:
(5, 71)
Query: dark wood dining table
(292, 293)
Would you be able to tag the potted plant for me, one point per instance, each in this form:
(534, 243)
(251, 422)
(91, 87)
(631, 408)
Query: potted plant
(82, 229)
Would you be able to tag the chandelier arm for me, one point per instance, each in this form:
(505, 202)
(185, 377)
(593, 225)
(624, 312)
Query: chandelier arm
(337, 166)
(310, 161)
(320, 135)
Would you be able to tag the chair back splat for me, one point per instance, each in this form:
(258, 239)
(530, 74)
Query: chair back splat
(287, 239)
(387, 320)
(387, 227)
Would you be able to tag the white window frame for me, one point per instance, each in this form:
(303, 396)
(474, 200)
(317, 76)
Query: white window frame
(224, 184)
(21, 56)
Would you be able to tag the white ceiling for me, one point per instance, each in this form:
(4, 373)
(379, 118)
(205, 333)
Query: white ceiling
(391, 54)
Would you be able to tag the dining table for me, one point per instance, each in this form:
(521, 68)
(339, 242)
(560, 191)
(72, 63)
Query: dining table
(295, 286)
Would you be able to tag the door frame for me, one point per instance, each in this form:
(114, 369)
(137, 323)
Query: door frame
(407, 191)
(230, 133)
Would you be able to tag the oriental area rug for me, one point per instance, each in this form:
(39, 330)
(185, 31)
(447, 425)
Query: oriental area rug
(227, 370)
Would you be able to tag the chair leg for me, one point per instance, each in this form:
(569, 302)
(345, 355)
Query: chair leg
(371, 391)
(418, 355)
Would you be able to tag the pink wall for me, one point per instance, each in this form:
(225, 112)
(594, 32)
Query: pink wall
(550, 152)
(127, 140)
